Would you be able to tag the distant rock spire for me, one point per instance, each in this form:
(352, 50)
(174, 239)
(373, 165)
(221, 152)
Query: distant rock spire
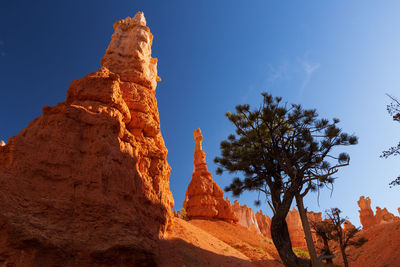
(204, 198)
(367, 217)
(200, 163)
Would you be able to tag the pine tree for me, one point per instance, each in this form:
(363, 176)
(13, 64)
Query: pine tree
(283, 151)
(344, 238)
(394, 110)
(324, 229)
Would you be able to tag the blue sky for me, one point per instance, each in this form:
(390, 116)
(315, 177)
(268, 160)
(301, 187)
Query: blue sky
(339, 57)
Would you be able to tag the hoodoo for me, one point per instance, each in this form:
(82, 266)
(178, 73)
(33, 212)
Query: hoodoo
(204, 198)
(87, 183)
(367, 217)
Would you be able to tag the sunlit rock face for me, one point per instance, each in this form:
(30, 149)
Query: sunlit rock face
(129, 52)
(264, 223)
(367, 217)
(246, 216)
(295, 227)
(204, 198)
(87, 183)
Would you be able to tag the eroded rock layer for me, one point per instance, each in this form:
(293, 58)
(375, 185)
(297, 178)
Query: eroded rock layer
(87, 183)
(204, 198)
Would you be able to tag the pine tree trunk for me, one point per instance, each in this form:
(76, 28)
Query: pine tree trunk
(307, 231)
(280, 237)
(345, 262)
(327, 250)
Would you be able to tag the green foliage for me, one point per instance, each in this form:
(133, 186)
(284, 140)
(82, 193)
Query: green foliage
(301, 253)
(182, 214)
(394, 110)
(259, 250)
(283, 151)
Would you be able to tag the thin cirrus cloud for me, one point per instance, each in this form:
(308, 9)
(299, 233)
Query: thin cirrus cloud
(309, 68)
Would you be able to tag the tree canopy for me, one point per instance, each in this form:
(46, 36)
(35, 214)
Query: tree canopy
(284, 151)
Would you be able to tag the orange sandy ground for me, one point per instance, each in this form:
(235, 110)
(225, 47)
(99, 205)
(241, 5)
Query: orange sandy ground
(218, 243)
(215, 243)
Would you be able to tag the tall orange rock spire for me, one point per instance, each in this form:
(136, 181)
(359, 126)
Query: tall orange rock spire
(204, 198)
(88, 181)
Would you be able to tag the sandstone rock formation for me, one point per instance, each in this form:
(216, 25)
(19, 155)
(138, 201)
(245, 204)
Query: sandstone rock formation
(2, 143)
(87, 183)
(246, 216)
(204, 198)
(264, 223)
(367, 216)
(295, 227)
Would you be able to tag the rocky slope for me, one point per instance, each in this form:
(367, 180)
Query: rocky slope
(381, 249)
(87, 183)
(204, 198)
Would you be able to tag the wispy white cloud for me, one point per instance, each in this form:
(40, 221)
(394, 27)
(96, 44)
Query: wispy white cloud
(308, 67)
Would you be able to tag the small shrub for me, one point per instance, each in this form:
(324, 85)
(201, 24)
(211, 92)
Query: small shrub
(259, 250)
(301, 253)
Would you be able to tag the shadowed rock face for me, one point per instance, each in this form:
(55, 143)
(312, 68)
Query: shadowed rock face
(87, 183)
(204, 198)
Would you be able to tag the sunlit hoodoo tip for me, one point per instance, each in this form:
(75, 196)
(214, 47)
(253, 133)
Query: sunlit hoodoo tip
(138, 19)
(198, 138)
(2, 143)
(129, 52)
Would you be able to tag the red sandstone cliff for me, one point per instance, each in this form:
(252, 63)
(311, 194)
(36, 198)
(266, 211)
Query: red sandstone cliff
(204, 198)
(87, 183)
